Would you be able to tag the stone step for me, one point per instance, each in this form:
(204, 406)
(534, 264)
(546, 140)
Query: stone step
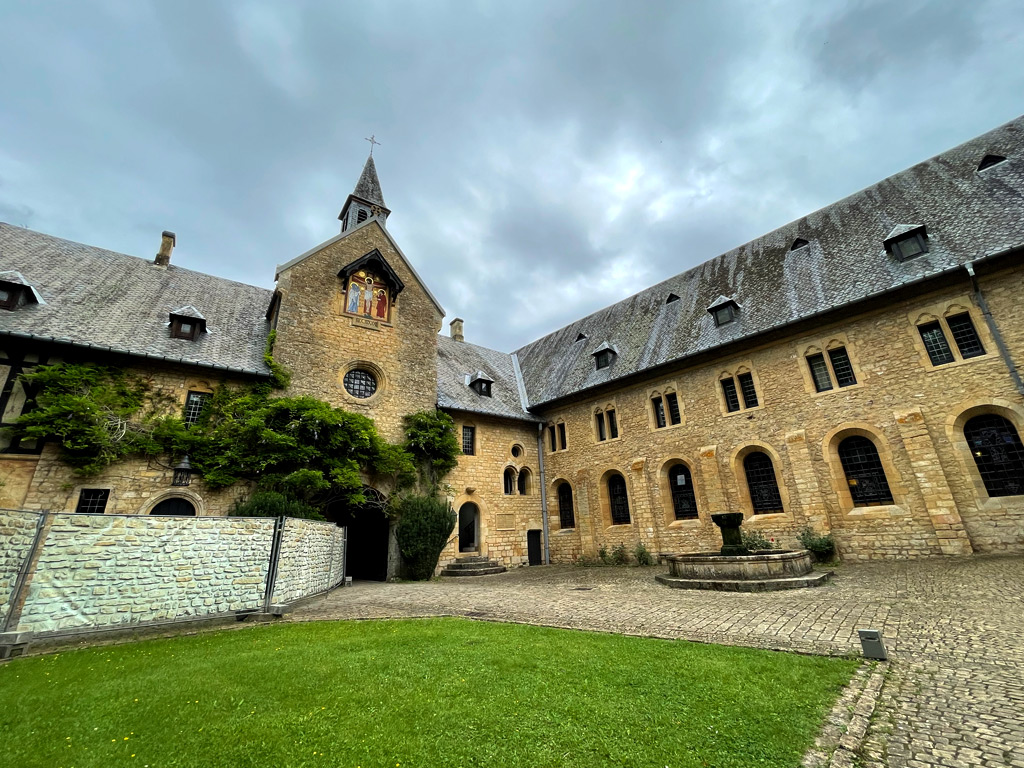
(480, 569)
(473, 559)
(762, 585)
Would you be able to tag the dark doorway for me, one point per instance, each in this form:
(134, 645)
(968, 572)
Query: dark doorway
(368, 526)
(533, 547)
(469, 526)
(175, 506)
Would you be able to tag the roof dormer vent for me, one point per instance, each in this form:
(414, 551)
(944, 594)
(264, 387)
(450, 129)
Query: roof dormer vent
(15, 291)
(907, 241)
(989, 160)
(580, 337)
(480, 383)
(798, 244)
(724, 309)
(605, 355)
(187, 323)
(671, 297)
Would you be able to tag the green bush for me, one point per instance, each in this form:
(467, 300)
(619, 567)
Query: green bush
(642, 555)
(603, 554)
(274, 504)
(424, 526)
(822, 546)
(620, 556)
(754, 540)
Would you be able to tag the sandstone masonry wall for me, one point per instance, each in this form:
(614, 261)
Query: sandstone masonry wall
(310, 561)
(17, 531)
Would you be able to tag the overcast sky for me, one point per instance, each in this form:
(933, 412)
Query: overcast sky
(541, 159)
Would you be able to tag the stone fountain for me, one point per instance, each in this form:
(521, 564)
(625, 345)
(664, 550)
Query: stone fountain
(738, 569)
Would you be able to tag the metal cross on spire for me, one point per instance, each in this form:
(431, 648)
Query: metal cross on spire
(372, 140)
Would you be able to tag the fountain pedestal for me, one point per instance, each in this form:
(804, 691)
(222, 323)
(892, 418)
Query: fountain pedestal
(729, 523)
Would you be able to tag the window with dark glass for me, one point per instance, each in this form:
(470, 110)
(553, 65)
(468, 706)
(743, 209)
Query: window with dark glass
(842, 367)
(613, 425)
(517, 451)
(673, 407)
(964, 335)
(910, 246)
(604, 358)
(183, 329)
(551, 438)
(469, 440)
(360, 383)
(684, 501)
(997, 450)
(600, 427)
(935, 343)
(566, 515)
(9, 295)
(724, 315)
(523, 482)
(92, 501)
(989, 160)
(618, 499)
(749, 392)
(659, 412)
(195, 402)
(732, 398)
(482, 387)
(510, 481)
(865, 475)
(761, 482)
(819, 372)
(561, 435)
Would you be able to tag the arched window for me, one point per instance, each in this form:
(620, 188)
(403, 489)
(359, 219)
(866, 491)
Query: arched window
(174, 506)
(864, 473)
(566, 516)
(998, 452)
(764, 489)
(618, 499)
(510, 481)
(680, 483)
(523, 482)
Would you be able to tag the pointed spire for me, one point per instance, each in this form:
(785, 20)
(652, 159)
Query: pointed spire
(368, 186)
(366, 201)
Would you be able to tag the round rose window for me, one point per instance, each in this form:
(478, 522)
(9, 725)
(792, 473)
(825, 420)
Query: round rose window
(360, 383)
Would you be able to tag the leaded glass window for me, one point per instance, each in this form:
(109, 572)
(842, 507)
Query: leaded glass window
(551, 435)
(566, 515)
(684, 501)
(510, 481)
(601, 435)
(469, 440)
(659, 412)
(673, 407)
(842, 367)
(92, 501)
(618, 500)
(935, 343)
(761, 482)
(819, 372)
(732, 398)
(998, 452)
(195, 402)
(613, 425)
(865, 475)
(561, 435)
(965, 336)
(360, 383)
(748, 389)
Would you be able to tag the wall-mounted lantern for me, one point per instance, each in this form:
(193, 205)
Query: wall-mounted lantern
(182, 472)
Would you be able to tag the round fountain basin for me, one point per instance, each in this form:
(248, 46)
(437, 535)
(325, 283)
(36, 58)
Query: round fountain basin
(761, 570)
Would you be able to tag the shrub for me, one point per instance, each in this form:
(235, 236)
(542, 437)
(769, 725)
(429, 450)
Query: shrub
(603, 554)
(274, 504)
(754, 540)
(642, 555)
(822, 546)
(424, 526)
(620, 556)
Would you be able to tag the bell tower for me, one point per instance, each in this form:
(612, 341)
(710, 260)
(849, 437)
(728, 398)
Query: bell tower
(366, 200)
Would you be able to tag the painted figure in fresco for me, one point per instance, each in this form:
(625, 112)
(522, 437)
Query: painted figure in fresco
(353, 297)
(368, 297)
(382, 305)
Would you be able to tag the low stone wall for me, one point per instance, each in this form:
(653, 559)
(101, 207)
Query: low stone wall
(311, 559)
(17, 532)
(90, 572)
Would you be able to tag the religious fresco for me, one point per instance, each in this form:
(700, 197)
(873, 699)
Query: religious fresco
(367, 296)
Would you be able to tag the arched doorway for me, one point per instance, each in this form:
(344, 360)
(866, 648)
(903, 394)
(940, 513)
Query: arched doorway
(368, 536)
(175, 505)
(469, 527)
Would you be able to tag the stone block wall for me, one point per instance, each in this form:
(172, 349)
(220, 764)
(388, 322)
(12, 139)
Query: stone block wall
(97, 571)
(310, 560)
(17, 532)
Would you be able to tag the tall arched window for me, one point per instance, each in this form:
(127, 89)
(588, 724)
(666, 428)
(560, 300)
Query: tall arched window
(566, 515)
(998, 452)
(618, 499)
(764, 489)
(680, 483)
(864, 473)
(510, 481)
(523, 482)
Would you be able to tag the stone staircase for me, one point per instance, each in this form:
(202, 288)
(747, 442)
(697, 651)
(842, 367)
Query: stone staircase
(472, 566)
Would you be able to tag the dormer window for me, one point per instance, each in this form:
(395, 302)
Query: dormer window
(9, 295)
(907, 241)
(187, 323)
(15, 291)
(989, 160)
(604, 355)
(798, 244)
(480, 384)
(725, 310)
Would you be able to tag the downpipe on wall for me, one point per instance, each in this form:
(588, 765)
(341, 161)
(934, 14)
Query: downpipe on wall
(543, 493)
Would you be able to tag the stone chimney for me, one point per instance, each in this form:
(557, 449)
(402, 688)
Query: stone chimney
(167, 242)
(456, 329)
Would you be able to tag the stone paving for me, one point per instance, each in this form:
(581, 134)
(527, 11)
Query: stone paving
(954, 691)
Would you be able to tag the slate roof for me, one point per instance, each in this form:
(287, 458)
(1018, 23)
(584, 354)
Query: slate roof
(968, 215)
(368, 186)
(111, 301)
(457, 359)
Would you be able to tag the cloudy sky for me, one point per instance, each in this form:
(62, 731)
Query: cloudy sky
(541, 159)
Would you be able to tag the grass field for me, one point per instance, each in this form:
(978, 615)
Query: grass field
(414, 694)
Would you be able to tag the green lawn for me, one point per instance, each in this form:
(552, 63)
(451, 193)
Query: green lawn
(414, 694)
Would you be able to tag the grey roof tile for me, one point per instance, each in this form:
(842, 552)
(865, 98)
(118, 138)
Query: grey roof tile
(107, 300)
(368, 186)
(458, 359)
(968, 216)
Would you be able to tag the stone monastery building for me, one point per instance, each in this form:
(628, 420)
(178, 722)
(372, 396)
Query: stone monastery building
(855, 371)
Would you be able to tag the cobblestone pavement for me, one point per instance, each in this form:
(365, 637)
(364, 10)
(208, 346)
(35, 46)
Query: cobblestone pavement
(954, 695)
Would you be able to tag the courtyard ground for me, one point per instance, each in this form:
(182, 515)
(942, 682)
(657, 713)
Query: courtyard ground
(954, 691)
